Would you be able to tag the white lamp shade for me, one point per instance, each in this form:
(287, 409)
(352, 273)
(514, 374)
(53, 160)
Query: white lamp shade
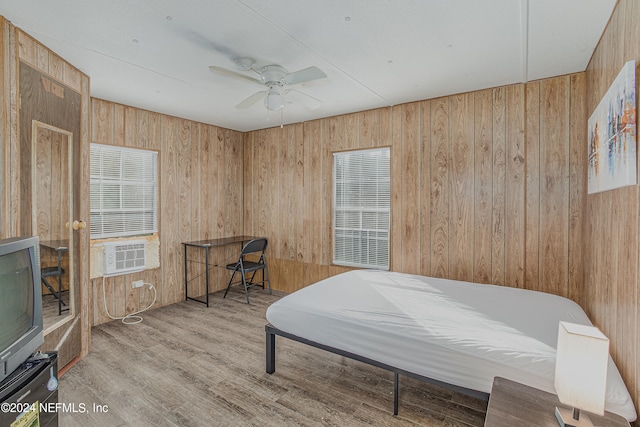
(274, 101)
(581, 367)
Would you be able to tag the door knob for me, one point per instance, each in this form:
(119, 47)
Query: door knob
(77, 225)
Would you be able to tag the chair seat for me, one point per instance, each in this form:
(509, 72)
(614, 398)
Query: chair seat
(50, 271)
(249, 266)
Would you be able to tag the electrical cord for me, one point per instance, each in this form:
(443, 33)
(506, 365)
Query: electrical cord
(135, 315)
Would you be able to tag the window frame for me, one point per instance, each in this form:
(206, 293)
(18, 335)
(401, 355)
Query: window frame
(335, 228)
(154, 209)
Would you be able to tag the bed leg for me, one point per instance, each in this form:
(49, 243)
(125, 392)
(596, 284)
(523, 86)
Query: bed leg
(270, 353)
(395, 393)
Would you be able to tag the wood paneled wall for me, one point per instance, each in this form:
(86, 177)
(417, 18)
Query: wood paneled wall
(487, 186)
(200, 198)
(611, 237)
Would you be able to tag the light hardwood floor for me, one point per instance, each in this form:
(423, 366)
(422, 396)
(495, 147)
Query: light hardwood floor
(188, 365)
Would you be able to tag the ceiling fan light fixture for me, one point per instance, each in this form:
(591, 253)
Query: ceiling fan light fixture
(274, 101)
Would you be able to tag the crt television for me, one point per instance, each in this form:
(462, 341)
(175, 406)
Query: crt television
(21, 329)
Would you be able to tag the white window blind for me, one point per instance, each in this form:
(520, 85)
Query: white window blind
(124, 191)
(361, 208)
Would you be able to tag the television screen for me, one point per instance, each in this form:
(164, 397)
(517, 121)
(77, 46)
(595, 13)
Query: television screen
(16, 296)
(21, 328)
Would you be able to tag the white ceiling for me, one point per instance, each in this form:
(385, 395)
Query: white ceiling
(155, 54)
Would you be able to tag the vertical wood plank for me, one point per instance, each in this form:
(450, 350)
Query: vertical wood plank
(142, 129)
(118, 124)
(369, 129)
(117, 290)
(425, 188)
(411, 178)
(72, 77)
(195, 188)
(155, 143)
(102, 123)
(287, 208)
(42, 58)
(440, 187)
(248, 184)
(350, 140)
(499, 187)
(214, 208)
(236, 176)
(326, 191)
(396, 232)
(461, 212)
(577, 184)
(515, 187)
(532, 154)
(273, 204)
(224, 224)
(483, 177)
(554, 197)
(308, 198)
(314, 212)
(130, 127)
(170, 218)
(27, 48)
(200, 204)
(56, 67)
(299, 213)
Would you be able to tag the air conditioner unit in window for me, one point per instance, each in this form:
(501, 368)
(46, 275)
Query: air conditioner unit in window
(124, 257)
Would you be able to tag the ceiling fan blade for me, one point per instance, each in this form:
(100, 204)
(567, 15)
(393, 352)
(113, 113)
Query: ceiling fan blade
(302, 76)
(243, 105)
(207, 43)
(229, 73)
(308, 101)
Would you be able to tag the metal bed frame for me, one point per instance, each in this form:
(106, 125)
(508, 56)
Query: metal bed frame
(271, 332)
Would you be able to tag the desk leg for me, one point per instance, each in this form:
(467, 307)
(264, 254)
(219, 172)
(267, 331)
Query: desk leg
(59, 283)
(395, 393)
(206, 277)
(186, 292)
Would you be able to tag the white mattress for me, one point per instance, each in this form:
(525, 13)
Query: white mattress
(457, 332)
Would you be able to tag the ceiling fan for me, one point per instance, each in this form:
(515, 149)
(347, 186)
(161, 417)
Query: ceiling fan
(277, 81)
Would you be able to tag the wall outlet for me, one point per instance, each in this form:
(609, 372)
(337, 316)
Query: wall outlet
(137, 284)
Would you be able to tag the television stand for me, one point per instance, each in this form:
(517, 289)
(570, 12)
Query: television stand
(35, 381)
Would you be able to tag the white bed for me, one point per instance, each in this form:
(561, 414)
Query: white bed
(458, 333)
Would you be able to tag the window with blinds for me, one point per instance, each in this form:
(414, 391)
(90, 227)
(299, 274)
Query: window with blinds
(361, 208)
(124, 191)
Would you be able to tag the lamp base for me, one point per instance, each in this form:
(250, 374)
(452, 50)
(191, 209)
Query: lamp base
(565, 418)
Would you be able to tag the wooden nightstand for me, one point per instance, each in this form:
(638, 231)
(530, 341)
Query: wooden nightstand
(514, 404)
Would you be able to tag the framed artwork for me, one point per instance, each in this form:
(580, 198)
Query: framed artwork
(612, 135)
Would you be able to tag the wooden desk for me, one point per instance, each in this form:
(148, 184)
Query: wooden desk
(515, 404)
(206, 245)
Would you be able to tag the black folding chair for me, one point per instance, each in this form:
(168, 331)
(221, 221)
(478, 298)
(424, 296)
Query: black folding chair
(244, 266)
(57, 273)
